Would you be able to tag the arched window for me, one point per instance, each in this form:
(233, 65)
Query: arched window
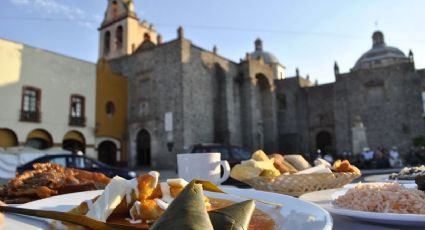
(118, 37)
(107, 42)
(146, 37)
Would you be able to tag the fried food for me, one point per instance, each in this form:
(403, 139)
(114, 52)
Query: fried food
(142, 199)
(48, 180)
(345, 166)
(146, 210)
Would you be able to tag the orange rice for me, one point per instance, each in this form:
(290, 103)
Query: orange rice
(383, 197)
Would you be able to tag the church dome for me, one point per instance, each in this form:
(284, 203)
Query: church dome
(268, 57)
(380, 55)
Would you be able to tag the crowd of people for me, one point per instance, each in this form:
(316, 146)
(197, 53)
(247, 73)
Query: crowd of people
(379, 158)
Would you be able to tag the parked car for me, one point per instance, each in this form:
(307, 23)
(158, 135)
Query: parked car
(233, 154)
(79, 162)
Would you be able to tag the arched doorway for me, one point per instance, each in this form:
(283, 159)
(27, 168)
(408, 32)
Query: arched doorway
(74, 141)
(8, 138)
(324, 141)
(143, 148)
(221, 132)
(107, 152)
(264, 113)
(39, 139)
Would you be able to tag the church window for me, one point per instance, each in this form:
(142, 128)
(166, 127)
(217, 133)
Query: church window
(146, 37)
(110, 108)
(118, 37)
(107, 42)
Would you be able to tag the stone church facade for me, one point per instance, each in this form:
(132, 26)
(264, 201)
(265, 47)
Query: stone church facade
(383, 91)
(179, 94)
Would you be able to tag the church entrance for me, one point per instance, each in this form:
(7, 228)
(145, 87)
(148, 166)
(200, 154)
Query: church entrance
(324, 141)
(107, 152)
(143, 148)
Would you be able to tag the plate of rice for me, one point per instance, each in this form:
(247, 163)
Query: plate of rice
(389, 203)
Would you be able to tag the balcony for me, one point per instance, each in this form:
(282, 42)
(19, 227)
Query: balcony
(77, 121)
(30, 116)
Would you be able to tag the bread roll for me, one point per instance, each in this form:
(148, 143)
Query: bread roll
(259, 155)
(243, 172)
(320, 161)
(282, 165)
(297, 161)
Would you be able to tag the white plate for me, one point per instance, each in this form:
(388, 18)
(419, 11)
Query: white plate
(324, 198)
(294, 214)
(384, 178)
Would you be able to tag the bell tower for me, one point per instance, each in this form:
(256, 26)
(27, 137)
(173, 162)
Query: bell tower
(121, 32)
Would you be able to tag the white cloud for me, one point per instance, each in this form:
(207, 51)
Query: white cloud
(55, 9)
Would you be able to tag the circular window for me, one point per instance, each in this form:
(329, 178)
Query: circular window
(110, 108)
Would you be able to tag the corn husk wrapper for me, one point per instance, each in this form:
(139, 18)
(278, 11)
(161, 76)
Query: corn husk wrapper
(234, 217)
(187, 211)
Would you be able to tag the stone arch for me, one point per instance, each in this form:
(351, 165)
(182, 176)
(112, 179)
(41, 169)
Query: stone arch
(119, 34)
(107, 151)
(74, 141)
(39, 139)
(221, 133)
(104, 152)
(265, 77)
(264, 112)
(324, 141)
(143, 148)
(8, 138)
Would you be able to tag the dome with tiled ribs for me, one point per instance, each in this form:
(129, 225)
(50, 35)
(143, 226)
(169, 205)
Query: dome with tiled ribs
(380, 54)
(259, 53)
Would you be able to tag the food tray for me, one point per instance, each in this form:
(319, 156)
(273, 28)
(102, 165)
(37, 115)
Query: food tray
(298, 184)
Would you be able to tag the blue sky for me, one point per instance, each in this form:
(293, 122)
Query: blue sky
(307, 34)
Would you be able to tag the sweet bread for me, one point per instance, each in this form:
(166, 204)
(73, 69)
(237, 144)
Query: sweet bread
(282, 165)
(297, 161)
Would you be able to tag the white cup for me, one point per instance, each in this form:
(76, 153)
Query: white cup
(203, 166)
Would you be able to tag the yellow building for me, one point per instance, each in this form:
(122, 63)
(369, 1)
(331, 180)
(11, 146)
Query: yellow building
(111, 115)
